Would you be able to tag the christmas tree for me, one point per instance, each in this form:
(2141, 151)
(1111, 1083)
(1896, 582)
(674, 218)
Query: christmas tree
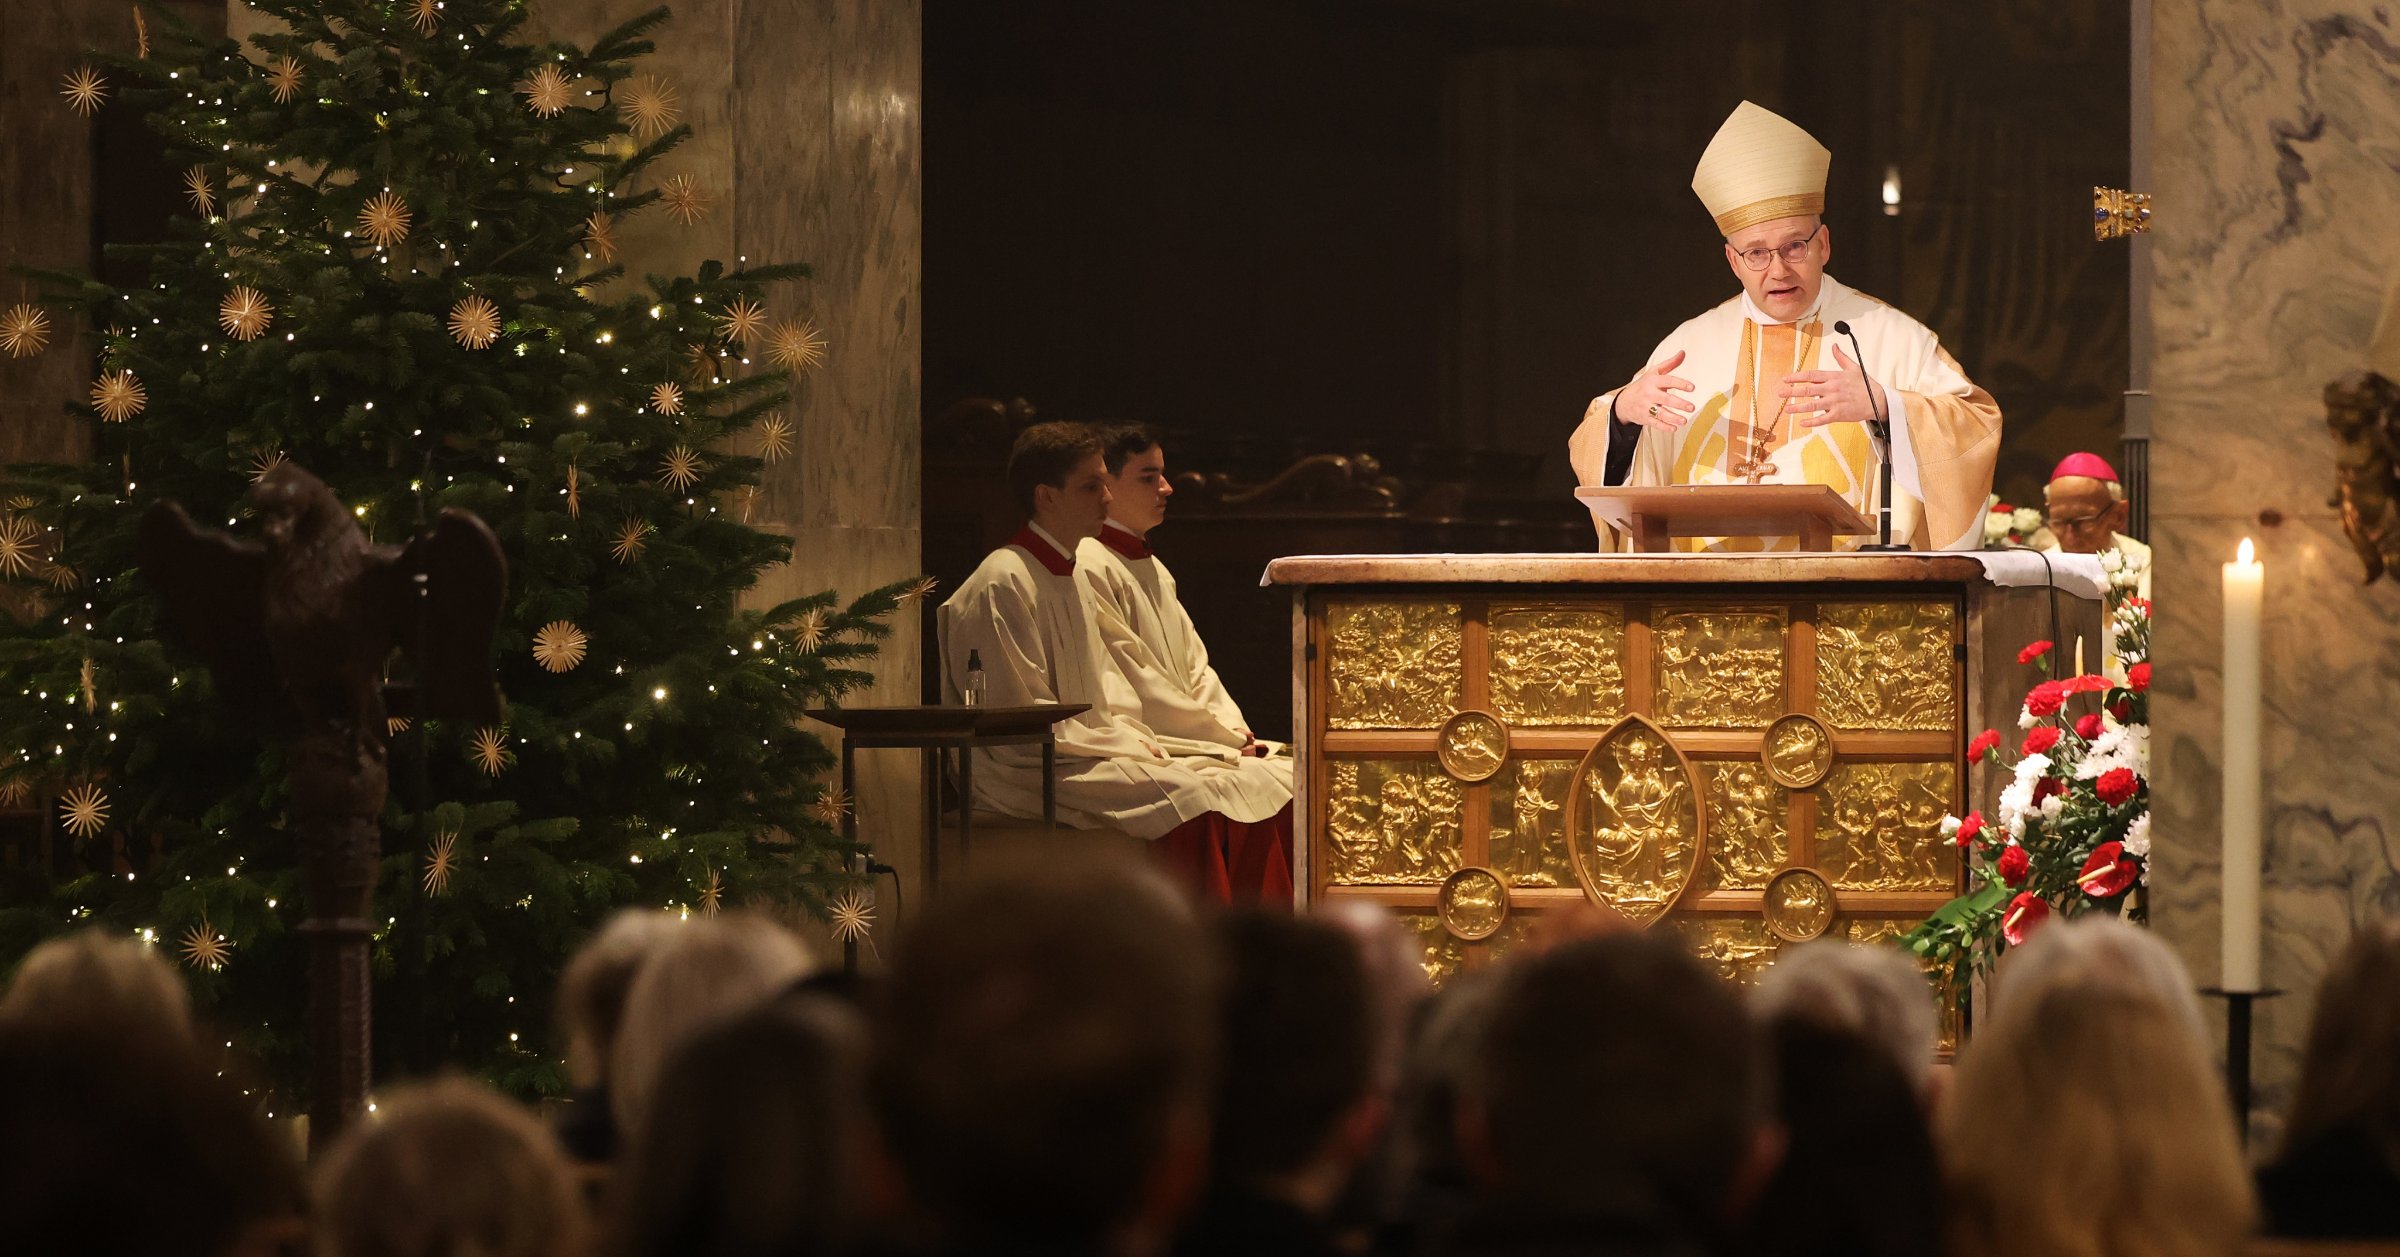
(401, 273)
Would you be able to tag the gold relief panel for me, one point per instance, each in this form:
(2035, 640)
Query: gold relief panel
(1747, 836)
(1392, 665)
(1392, 822)
(1473, 903)
(1719, 668)
(1870, 930)
(1438, 953)
(1634, 825)
(1529, 822)
(1887, 666)
(1879, 827)
(1555, 666)
(1799, 905)
(1738, 948)
(1472, 746)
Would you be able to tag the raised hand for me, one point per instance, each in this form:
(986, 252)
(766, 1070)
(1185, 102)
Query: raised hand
(1652, 401)
(1817, 398)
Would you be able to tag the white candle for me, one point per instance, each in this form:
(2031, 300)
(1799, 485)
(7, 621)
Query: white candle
(2245, 588)
(2078, 655)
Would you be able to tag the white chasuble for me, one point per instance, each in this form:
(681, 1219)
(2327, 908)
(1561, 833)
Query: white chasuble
(1945, 430)
(1150, 639)
(1023, 614)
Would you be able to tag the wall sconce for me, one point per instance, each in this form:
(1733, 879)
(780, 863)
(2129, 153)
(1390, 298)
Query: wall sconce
(1891, 191)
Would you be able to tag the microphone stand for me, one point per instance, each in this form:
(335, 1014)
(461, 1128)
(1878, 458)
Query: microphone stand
(1881, 429)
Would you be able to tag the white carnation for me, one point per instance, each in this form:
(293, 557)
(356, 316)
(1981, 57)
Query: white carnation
(1995, 527)
(2026, 520)
(1950, 826)
(2052, 806)
(2111, 559)
(2137, 837)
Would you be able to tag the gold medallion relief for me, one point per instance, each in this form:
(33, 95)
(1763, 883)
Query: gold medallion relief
(1392, 665)
(1529, 823)
(1719, 668)
(1633, 822)
(1799, 905)
(1392, 822)
(1747, 838)
(1798, 751)
(1472, 746)
(1887, 665)
(1554, 666)
(1879, 827)
(1473, 903)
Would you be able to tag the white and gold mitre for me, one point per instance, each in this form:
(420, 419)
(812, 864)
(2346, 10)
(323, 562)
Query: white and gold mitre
(1760, 167)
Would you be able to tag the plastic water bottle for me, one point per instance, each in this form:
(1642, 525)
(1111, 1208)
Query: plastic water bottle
(970, 687)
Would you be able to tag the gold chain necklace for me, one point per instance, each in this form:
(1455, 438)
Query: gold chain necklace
(1756, 467)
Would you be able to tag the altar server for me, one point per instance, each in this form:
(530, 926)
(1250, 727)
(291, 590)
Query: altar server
(1023, 618)
(1764, 390)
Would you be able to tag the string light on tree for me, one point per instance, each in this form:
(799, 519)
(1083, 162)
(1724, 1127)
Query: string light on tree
(118, 396)
(85, 90)
(24, 330)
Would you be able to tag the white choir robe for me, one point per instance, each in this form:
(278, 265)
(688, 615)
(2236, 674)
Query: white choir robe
(1149, 637)
(1023, 613)
(1945, 430)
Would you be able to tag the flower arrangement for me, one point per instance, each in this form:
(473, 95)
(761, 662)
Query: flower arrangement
(2007, 527)
(2071, 832)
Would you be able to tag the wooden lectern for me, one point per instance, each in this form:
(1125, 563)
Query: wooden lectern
(1654, 515)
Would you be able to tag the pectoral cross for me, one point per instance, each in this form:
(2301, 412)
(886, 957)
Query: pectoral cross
(1757, 467)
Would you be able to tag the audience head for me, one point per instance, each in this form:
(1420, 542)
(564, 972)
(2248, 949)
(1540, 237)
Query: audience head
(2085, 1116)
(101, 981)
(1060, 479)
(1859, 1176)
(1619, 1077)
(707, 970)
(1297, 1095)
(2350, 1069)
(1393, 963)
(1875, 992)
(591, 993)
(1043, 1057)
(448, 1169)
(757, 1134)
(114, 1144)
(1137, 476)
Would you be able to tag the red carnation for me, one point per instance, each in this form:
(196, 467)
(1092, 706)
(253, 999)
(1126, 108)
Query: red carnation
(2137, 677)
(2045, 699)
(2108, 872)
(2025, 914)
(1984, 744)
(2014, 865)
(2034, 651)
(2041, 739)
(2116, 785)
(2046, 787)
(1968, 828)
(2088, 727)
(2003, 508)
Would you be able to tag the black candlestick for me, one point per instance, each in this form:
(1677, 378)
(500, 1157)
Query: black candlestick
(2237, 1049)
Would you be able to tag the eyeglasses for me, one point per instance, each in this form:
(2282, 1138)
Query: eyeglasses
(1756, 259)
(2071, 523)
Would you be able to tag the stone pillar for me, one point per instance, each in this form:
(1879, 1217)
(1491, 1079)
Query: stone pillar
(2271, 128)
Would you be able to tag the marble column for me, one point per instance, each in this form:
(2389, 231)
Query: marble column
(2276, 170)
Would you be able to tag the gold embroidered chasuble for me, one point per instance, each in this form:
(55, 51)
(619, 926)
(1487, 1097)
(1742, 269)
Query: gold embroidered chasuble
(1945, 439)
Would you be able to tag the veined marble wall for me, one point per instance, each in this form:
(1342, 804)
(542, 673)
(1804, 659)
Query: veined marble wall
(2276, 149)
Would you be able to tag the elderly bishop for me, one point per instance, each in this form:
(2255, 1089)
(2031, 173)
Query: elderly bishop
(1764, 390)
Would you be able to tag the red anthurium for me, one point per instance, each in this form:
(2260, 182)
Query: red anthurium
(2108, 872)
(2115, 786)
(2122, 710)
(1984, 744)
(2025, 914)
(2088, 727)
(2014, 865)
(2088, 683)
(2041, 739)
(2034, 651)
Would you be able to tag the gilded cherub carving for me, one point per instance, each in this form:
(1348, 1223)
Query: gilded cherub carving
(2363, 411)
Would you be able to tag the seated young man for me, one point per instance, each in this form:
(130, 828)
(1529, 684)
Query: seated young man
(1024, 616)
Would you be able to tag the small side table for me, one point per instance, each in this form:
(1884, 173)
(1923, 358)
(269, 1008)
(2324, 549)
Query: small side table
(936, 731)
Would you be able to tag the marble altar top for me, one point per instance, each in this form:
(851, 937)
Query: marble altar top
(2076, 574)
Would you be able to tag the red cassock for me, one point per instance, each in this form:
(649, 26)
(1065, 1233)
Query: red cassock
(1224, 861)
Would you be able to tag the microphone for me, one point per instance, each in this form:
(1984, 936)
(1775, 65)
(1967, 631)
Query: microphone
(1882, 428)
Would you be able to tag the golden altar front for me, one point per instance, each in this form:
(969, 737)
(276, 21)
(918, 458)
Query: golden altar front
(1749, 750)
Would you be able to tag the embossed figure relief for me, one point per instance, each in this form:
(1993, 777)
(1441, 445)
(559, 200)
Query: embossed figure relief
(1473, 746)
(1719, 668)
(1529, 823)
(1879, 827)
(1747, 838)
(1870, 930)
(1558, 667)
(1738, 948)
(1797, 751)
(1634, 824)
(1799, 905)
(1441, 953)
(1886, 665)
(1392, 822)
(1473, 903)
(1393, 665)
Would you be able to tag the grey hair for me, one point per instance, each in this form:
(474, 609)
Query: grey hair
(1873, 991)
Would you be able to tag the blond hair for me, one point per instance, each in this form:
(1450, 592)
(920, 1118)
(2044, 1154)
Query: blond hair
(2085, 1118)
(592, 991)
(452, 1169)
(98, 980)
(703, 973)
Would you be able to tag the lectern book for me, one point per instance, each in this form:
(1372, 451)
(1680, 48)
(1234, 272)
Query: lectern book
(1655, 515)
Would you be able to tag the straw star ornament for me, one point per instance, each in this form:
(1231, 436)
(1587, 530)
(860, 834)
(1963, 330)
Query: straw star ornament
(384, 219)
(680, 470)
(245, 313)
(852, 917)
(924, 587)
(667, 399)
(685, 199)
(15, 792)
(796, 346)
(118, 396)
(559, 646)
(599, 238)
(490, 750)
(652, 105)
(574, 492)
(632, 539)
(808, 632)
(204, 948)
(742, 320)
(85, 90)
(264, 462)
(546, 91)
(830, 807)
(774, 438)
(20, 546)
(425, 15)
(284, 80)
(441, 860)
(83, 811)
(475, 323)
(712, 896)
(24, 330)
(201, 190)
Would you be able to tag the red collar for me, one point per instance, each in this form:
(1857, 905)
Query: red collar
(1124, 542)
(1043, 552)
